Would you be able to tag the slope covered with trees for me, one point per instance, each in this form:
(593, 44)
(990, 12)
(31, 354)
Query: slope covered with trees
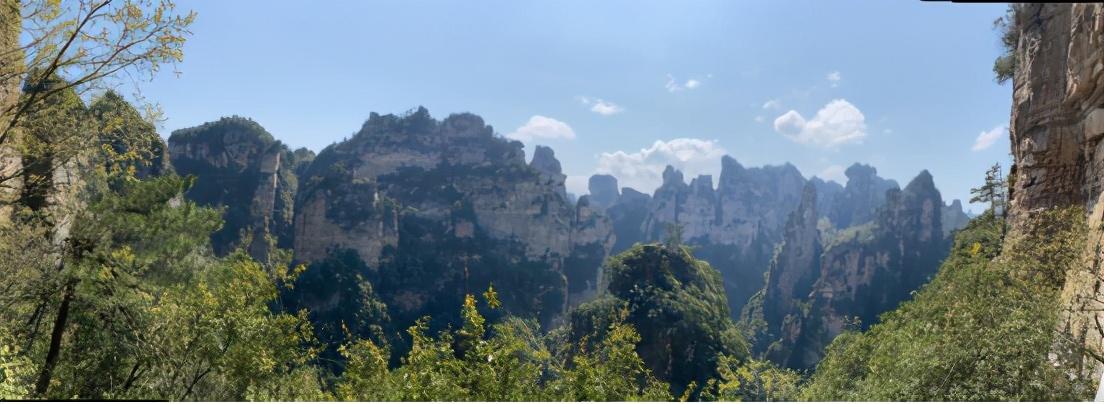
(983, 329)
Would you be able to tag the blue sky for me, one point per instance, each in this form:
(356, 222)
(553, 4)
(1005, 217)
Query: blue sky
(619, 86)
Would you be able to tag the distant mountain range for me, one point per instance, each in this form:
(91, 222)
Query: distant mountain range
(426, 210)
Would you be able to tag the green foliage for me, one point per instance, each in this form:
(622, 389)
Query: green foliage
(611, 372)
(981, 330)
(993, 191)
(120, 298)
(49, 137)
(753, 380)
(678, 306)
(129, 143)
(1009, 25)
(508, 362)
(16, 370)
(80, 47)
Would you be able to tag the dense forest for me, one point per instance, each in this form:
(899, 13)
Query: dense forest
(425, 259)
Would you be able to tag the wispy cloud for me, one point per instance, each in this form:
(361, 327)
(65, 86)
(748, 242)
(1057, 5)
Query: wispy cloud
(987, 138)
(600, 106)
(675, 86)
(834, 78)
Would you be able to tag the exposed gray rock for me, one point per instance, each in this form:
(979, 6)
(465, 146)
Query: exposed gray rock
(861, 197)
(864, 271)
(240, 166)
(954, 218)
(603, 190)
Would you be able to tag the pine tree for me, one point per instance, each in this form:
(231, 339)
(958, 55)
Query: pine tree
(993, 191)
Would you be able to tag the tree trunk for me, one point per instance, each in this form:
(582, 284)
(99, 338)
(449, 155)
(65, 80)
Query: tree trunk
(55, 342)
(11, 67)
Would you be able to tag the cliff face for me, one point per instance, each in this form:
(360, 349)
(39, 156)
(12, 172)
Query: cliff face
(240, 166)
(455, 160)
(736, 226)
(1056, 130)
(592, 239)
(858, 201)
(733, 227)
(627, 215)
(603, 190)
(816, 289)
(791, 275)
(438, 208)
(954, 218)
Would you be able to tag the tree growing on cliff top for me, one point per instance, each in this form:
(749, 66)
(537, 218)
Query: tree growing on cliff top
(1004, 67)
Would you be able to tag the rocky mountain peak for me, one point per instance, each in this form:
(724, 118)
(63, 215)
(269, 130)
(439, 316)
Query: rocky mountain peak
(955, 205)
(544, 160)
(631, 195)
(702, 185)
(239, 165)
(860, 173)
(603, 190)
(729, 166)
(860, 198)
(791, 275)
(672, 177)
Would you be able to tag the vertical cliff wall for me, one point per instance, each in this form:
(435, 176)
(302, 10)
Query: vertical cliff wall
(1056, 130)
(439, 208)
(241, 167)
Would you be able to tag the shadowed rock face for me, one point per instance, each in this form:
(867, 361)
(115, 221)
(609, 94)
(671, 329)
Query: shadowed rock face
(736, 225)
(603, 190)
(592, 240)
(733, 226)
(238, 165)
(861, 197)
(628, 215)
(862, 272)
(791, 275)
(826, 193)
(436, 209)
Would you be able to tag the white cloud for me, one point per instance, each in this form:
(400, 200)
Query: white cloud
(577, 184)
(601, 107)
(675, 86)
(987, 138)
(834, 78)
(643, 170)
(837, 123)
(772, 104)
(760, 118)
(833, 172)
(542, 127)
